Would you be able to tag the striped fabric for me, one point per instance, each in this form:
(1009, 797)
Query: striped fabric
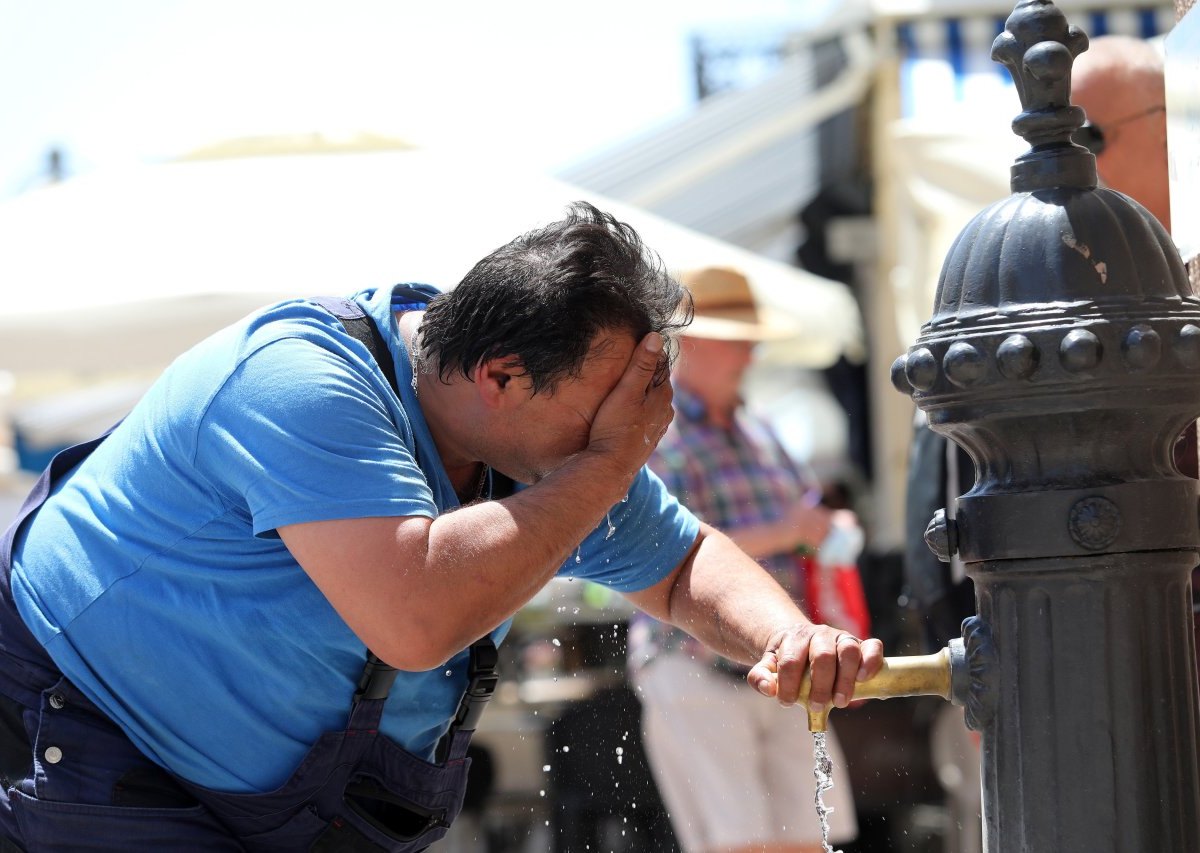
(948, 60)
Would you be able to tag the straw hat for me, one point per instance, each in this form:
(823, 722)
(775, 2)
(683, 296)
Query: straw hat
(726, 310)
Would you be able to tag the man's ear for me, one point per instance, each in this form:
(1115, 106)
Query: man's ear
(496, 381)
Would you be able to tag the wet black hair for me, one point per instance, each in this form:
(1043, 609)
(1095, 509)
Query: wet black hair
(541, 299)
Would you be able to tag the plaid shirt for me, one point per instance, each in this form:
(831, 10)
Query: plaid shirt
(730, 478)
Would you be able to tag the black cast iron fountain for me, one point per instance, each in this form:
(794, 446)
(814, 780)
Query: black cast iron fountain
(1064, 355)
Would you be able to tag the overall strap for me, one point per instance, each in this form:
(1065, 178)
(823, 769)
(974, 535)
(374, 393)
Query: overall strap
(481, 684)
(62, 462)
(24, 651)
(363, 329)
(377, 677)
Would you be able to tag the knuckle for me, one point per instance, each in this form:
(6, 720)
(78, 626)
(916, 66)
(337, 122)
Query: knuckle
(787, 658)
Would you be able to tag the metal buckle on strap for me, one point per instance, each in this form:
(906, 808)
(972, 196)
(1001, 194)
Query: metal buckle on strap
(376, 680)
(482, 685)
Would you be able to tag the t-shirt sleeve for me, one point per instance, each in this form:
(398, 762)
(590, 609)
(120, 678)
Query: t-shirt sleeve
(640, 541)
(300, 432)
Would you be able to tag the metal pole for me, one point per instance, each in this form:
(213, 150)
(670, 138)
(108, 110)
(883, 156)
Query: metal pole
(1064, 355)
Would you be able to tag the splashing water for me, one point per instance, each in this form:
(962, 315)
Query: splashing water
(823, 770)
(612, 528)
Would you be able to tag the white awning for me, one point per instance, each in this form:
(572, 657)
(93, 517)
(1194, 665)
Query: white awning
(119, 271)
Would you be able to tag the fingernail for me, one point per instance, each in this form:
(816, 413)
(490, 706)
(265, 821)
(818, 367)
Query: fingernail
(763, 689)
(817, 707)
(654, 342)
(839, 699)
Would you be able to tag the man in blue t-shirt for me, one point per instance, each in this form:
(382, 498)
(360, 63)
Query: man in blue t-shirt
(191, 610)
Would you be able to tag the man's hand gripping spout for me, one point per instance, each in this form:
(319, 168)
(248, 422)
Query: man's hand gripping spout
(836, 659)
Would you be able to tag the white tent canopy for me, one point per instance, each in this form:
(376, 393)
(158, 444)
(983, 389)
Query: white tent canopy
(125, 270)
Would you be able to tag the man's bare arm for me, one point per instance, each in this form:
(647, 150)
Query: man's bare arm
(417, 591)
(727, 601)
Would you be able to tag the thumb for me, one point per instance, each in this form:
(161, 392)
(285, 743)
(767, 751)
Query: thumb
(649, 352)
(643, 364)
(764, 675)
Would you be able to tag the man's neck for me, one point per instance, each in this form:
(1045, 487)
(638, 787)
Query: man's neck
(442, 409)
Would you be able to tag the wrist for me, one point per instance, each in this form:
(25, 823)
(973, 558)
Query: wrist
(599, 477)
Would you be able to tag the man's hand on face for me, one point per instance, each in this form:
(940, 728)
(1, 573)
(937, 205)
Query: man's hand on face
(636, 413)
(837, 661)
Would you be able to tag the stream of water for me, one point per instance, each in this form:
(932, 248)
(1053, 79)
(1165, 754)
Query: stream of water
(823, 770)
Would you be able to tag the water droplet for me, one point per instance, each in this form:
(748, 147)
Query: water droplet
(556, 642)
(449, 673)
(542, 793)
(612, 528)
(545, 768)
(566, 749)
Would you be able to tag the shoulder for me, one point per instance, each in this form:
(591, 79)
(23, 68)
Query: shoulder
(292, 363)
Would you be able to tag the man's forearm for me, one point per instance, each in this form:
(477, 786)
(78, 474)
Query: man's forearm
(729, 602)
(416, 591)
(420, 590)
(489, 559)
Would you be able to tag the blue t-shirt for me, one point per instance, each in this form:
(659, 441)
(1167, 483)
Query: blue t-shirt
(155, 579)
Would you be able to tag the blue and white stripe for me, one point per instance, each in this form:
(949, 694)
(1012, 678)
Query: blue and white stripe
(948, 59)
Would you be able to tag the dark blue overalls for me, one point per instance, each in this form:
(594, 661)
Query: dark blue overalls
(73, 781)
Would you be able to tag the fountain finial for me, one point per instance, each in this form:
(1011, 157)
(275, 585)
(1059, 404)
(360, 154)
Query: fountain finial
(1039, 48)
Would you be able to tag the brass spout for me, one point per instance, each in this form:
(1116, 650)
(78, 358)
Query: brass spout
(915, 675)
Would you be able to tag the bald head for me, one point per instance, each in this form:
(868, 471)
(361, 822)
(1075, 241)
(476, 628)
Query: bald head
(1116, 81)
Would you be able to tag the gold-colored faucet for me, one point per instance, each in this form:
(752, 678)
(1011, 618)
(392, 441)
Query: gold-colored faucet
(916, 675)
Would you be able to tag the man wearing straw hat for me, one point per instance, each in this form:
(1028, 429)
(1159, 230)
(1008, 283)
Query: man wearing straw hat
(732, 771)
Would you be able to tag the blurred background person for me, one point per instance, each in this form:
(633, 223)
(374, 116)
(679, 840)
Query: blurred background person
(1118, 81)
(733, 777)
